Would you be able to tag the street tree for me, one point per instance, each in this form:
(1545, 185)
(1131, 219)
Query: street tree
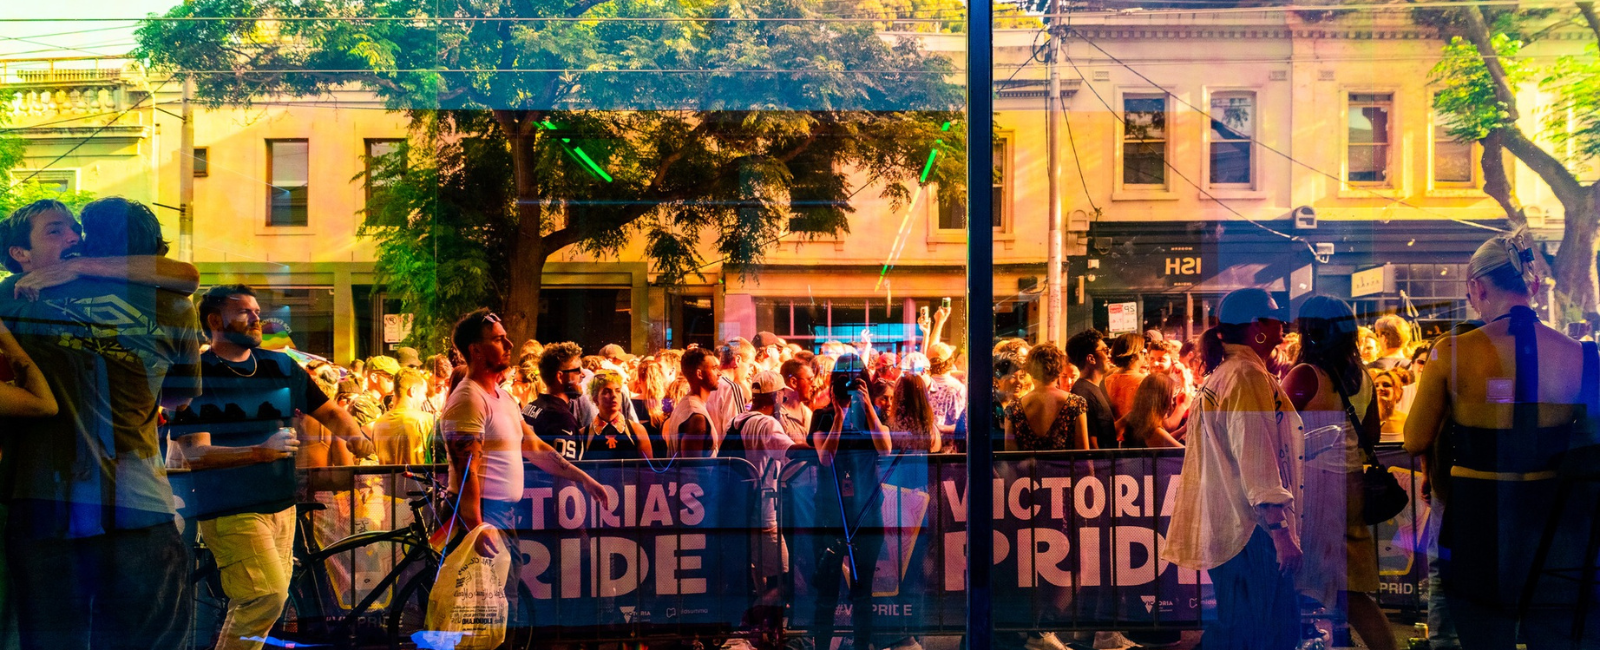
(1479, 76)
(544, 125)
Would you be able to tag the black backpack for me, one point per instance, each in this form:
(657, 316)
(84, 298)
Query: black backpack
(733, 440)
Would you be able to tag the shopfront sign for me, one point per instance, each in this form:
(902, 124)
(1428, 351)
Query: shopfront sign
(1123, 317)
(1372, 281)
(1182, 266)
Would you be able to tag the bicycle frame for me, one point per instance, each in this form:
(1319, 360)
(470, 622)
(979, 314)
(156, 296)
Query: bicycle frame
(413, 538)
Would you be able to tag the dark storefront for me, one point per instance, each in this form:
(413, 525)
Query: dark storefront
(1170, 276)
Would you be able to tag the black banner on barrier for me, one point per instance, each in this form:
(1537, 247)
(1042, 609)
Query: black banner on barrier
(669, 551)
(1077, 542)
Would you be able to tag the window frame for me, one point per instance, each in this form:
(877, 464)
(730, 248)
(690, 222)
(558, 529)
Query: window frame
(1391, 167)
(201, 162)
(267, 222)
(72, 176)
(1437, 187)
(366, 164)
(1121, 141)
(1005, 143)
(1208, 158)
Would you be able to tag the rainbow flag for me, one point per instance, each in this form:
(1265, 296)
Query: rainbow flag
(278, 340)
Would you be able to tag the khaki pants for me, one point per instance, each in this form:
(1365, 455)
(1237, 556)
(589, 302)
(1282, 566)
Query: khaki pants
(256, 555)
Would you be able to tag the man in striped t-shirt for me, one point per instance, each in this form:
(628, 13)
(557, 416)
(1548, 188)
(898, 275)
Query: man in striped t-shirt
(732, 394)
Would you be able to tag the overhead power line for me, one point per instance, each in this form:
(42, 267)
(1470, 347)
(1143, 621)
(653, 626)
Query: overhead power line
(1263, 145)
(86, 138)
(1176, 172)
(954, 14)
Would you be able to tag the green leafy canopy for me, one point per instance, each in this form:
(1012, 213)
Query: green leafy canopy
(682, 124)
(1466, 95)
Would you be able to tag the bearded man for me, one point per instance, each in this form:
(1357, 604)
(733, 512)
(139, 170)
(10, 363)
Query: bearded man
(239, 438)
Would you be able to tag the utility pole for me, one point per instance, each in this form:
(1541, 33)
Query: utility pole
(1054, 318)
(186, 176)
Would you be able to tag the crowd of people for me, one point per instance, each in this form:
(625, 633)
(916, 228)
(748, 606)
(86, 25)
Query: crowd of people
(121, 378)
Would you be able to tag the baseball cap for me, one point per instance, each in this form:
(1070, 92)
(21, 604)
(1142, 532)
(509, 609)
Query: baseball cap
(408, 357)
(766, 382)
(384, 364)
(764, 339)
(1246, 306)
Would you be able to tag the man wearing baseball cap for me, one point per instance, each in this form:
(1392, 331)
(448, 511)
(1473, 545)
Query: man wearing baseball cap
(758, 437)
(408, 357)
(1235, 516)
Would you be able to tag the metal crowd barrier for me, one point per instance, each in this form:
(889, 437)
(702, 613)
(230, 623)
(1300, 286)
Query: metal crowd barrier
(1078, 538)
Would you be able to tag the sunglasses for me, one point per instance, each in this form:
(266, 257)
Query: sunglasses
(491, 318)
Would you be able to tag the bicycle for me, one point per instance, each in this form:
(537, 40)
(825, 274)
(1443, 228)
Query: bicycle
(406, 611)
(310, 582)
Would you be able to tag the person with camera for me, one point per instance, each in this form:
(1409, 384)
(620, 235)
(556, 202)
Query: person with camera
(849, 439)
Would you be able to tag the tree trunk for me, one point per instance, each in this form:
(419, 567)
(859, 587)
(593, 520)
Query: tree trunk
(526, 252)
(1575, 264)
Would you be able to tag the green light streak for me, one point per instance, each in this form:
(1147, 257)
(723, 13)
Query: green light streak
(928, 168)
(596, 168)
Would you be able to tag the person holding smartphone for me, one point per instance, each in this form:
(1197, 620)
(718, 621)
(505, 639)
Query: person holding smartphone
(849, 438)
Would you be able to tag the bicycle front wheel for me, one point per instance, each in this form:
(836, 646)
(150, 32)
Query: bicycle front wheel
(409, 610)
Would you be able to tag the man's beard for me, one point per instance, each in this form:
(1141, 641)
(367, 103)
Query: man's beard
(244, 339)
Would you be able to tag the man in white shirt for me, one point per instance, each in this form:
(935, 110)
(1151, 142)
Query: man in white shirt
(690, 431)
(946, 393)
(759, 438)
(794, 410)
(732, 393)
(488, 442)
(1241, 481)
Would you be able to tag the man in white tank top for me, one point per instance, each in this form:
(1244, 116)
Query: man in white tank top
(488, 442)
(690, 432)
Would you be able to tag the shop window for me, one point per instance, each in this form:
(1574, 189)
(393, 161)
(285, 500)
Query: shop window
(288, 167)
(1368, 155)
(1233, 122)
(1144, 140)
(953, 209)
(810, 323)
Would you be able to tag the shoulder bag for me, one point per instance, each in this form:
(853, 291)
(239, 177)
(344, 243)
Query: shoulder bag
(1381, 495)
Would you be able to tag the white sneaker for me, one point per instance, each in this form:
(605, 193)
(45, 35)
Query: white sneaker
(1112, 641)
(1045, 641)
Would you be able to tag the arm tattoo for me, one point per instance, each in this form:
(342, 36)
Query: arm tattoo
(463, 442)
(562, 465)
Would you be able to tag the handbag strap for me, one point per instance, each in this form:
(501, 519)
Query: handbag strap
(1362, 439)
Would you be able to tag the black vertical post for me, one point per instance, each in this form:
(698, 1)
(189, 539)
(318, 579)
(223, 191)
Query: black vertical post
(980, 322)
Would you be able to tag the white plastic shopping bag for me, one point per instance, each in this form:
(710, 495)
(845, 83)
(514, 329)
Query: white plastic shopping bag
(469, 597)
